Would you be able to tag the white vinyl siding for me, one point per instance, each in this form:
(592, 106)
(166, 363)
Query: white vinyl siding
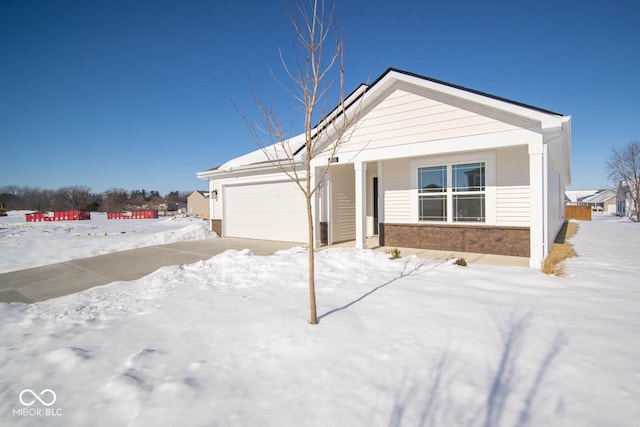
(343, 204)
(555, 199)
(513, 201)
(406, 118)
(397, 194)
(513, 206)
(217, 212)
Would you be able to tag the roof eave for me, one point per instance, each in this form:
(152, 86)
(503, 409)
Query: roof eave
(264, 167)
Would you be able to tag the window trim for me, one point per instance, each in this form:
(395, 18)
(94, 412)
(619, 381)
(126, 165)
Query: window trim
(486, 157)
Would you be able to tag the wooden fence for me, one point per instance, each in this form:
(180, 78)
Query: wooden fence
(577, 212)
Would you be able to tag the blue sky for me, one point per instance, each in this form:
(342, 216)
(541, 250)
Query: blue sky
(140, 94)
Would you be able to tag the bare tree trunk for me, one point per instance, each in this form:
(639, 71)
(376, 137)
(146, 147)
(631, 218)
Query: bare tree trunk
(312, 21)
(313, 319)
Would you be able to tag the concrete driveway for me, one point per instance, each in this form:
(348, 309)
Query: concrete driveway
(55, 280)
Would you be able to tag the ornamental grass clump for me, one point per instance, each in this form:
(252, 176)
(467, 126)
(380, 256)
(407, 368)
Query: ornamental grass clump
(561, 250)
(393, 253)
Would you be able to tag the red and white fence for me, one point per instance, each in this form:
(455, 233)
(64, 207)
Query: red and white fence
(146, 214)
(74, 215)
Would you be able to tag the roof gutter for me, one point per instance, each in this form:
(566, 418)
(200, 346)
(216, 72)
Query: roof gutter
(240, 170)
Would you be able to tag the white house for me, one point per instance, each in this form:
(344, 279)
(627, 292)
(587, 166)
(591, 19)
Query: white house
(625, 205)
(426, 164)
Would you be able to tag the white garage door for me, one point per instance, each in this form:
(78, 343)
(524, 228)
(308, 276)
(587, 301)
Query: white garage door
(272, 211)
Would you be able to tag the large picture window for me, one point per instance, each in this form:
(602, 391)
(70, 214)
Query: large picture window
(452, 193)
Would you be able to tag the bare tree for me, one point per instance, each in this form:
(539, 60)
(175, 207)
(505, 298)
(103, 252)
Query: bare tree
(316, 79)
(624, 167)
(36, 198)
(76, 197)
(115, 199)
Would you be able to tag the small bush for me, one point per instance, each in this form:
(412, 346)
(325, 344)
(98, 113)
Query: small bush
(393, 253)
(461, 262)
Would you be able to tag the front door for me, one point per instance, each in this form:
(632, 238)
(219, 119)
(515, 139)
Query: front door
(375, 205)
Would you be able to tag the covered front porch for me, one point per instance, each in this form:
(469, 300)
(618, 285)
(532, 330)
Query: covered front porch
(348, 206)
(377, 203)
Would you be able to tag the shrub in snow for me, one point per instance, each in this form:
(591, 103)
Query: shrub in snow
(393, 253)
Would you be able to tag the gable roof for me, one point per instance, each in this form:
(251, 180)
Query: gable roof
(466, 89)
(629, 187)
(575, 196)
(259, 158)
(204, 194)
(600, 197)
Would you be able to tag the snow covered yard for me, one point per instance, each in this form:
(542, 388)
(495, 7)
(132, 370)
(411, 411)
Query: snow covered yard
(32, 244)
(406, 342)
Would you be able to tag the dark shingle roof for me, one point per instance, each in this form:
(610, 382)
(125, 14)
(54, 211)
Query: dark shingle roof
(466, 89)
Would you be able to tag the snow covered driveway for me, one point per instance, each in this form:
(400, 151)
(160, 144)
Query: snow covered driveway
(402, 342)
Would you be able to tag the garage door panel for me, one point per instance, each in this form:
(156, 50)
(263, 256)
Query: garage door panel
(273, 211)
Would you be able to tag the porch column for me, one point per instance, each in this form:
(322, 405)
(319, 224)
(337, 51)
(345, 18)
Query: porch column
(361, 204)
(211, 188)
(380, 203)
(315, 213)
(325, 217)
(536, 188)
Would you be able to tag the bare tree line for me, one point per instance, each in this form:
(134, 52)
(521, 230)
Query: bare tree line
(16, 197)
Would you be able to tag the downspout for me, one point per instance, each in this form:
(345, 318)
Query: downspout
(545, 201)
(546, 244)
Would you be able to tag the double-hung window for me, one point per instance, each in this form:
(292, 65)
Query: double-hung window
(468, 192)
(432, 193)
(452, 193)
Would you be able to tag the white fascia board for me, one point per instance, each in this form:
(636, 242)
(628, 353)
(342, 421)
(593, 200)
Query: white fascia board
(205, 175)
(560, 138)
(248, 170)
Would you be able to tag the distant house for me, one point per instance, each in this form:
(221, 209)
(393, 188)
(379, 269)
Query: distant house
(602, 201)
(427, 164)
(198, 204)
(625, 205)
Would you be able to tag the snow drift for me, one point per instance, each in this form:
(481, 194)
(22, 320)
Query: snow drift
(406, 342)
